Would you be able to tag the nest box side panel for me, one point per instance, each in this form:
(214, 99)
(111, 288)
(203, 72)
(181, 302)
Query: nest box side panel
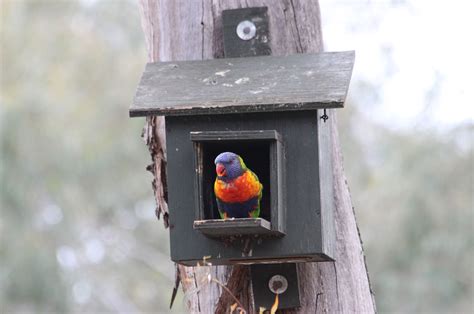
(303, 239)
(326, 184)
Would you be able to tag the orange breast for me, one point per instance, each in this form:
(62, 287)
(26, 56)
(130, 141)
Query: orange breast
(239, 190)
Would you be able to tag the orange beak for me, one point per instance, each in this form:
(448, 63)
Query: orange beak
(220, 169)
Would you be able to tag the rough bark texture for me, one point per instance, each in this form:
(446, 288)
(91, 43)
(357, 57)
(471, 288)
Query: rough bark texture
(192, 30)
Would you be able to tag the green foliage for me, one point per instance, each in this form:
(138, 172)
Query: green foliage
(77, 214)
(78, 226)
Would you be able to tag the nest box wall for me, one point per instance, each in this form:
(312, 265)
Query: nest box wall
(266, 109)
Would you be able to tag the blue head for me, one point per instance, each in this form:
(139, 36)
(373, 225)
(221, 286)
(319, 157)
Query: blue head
(229, 166)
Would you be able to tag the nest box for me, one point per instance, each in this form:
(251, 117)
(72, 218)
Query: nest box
(272, 112)
(269, 110)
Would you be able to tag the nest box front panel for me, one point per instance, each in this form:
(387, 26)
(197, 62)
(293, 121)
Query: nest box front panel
(296, 148)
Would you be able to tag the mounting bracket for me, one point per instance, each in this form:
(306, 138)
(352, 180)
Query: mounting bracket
(246, 34)
(271, 279)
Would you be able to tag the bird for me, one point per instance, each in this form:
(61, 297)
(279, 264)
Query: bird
(237, 188)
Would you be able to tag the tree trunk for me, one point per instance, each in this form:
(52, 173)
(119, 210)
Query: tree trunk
(192, 30)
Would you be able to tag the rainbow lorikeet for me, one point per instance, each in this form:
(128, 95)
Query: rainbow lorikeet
(238, 191)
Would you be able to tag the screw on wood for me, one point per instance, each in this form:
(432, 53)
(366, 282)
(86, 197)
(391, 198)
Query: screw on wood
(324, 116)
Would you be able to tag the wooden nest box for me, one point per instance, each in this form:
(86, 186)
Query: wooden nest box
(269, 110)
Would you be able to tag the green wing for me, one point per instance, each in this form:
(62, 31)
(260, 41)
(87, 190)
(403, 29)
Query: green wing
(256, 212)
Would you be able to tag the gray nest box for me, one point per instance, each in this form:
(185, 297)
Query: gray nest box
(271, 111)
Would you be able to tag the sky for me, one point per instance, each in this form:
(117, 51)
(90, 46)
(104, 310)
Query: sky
(415, 56)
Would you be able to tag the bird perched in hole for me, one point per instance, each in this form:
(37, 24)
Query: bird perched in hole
(238, 190)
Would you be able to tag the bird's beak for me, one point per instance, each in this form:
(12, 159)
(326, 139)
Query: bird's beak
(220, 169)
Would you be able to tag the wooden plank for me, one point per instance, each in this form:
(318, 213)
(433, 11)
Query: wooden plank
(215, 136)
(326, 183)
(278, 187)
(233, 226)
(237, 85)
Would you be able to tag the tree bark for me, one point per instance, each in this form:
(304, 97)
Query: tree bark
(192, 30)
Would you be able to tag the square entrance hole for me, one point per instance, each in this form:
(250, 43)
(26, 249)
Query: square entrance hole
(256, 155)
(262, 153)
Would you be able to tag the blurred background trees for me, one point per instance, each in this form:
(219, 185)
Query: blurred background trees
(77, 227)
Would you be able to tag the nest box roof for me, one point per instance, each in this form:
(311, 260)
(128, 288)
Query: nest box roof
(238, 85)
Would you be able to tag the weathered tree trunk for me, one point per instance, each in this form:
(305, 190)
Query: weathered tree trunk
(191, 30)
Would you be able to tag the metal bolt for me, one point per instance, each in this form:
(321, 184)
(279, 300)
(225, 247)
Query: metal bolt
(278, 284)
(246, 30)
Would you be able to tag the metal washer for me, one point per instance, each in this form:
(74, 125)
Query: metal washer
(278, 284)
(246, 30)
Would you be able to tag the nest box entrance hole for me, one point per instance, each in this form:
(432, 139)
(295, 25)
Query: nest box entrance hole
(261, 151)
(256, 155)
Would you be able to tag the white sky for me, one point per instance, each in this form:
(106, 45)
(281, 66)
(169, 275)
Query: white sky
(417, 54)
